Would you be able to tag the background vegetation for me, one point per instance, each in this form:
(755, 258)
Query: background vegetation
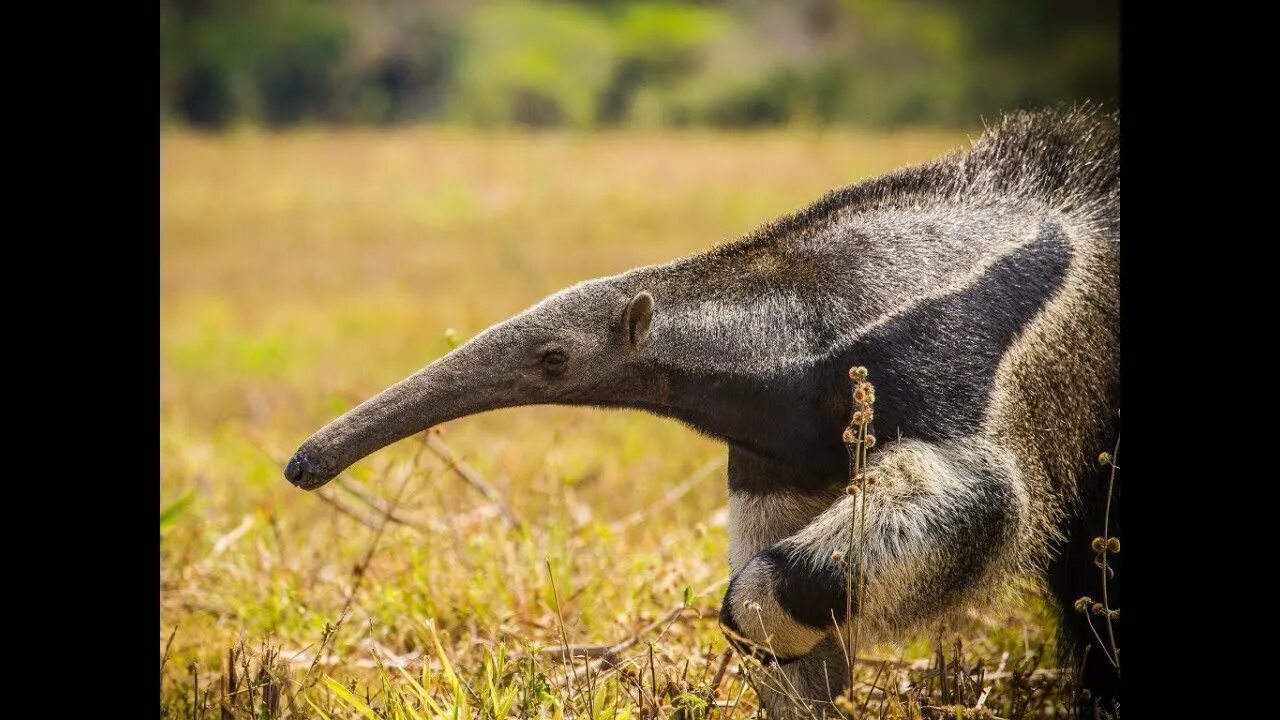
(589, 63)
(410, 204)
(302, 272)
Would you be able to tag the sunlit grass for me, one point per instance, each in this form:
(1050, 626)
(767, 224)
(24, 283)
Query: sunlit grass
(300, 273)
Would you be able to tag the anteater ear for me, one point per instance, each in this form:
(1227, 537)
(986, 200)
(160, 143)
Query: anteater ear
(636, 319)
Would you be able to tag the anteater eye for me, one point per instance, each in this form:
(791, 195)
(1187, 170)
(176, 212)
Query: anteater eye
(554, 358)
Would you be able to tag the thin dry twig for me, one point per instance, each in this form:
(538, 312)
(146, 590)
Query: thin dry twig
(1047, 674)
(363, 519)
(599, 656)
(954, 711)
(982, 699)
(671, 497)
(718, 678)
(612, 651)
(570, 676)
(380, 506)
(455, 523)
(473, 478)
(360, 570)
(591, 652)
(226, 541)
(876, 679)
(164, 659)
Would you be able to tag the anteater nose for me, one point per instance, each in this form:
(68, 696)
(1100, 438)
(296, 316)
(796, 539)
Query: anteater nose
(296, 469)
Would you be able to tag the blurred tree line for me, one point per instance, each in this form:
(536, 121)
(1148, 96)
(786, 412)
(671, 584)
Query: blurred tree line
(632, 63)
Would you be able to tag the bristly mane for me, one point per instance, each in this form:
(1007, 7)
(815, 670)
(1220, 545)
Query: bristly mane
(1064, 159)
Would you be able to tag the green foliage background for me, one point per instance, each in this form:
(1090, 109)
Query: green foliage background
(731, 63)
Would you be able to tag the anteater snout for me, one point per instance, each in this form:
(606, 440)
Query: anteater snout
(304, 472)
(293, 471)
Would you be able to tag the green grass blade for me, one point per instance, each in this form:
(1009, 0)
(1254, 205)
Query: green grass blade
(350, 699)
(175, 509)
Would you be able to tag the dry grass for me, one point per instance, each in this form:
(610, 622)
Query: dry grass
(300, 273)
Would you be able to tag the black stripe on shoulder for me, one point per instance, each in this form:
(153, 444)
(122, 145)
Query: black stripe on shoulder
(934, 366)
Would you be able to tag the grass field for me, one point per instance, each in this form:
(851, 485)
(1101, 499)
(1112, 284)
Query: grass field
(303, 272)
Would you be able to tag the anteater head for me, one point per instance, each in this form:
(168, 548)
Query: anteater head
(584, 345)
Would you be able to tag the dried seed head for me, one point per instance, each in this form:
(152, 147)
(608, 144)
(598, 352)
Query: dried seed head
(870, 478)
(864, 396)
(837, 556)
(1113, 545)
(1105, 458)
(1099, 544)
(857, 373)
(1083, 603)
(871, 441)
(848, 436)
(1097, 608)
(852, 488)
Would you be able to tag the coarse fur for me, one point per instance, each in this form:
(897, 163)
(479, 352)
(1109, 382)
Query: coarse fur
(981, 290)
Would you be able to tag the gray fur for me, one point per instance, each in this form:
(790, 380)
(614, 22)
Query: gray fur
(981, 290)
